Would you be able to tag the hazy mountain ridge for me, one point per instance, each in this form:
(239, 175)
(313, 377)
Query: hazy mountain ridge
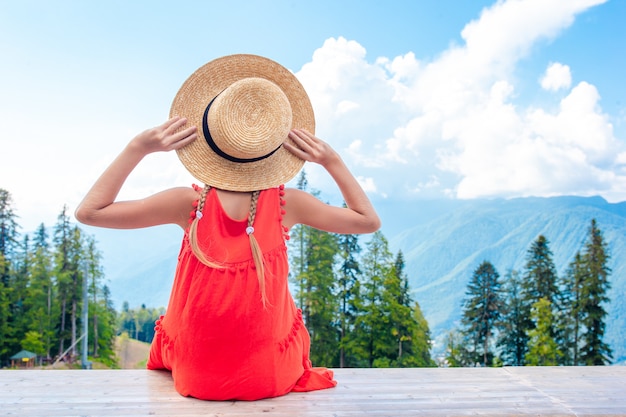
(442, 253)
(443, 243)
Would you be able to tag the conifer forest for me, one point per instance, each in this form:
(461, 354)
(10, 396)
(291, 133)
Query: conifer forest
(353, 292)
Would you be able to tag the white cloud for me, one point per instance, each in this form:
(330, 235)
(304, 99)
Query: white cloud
(368, 184)
(557, 76)
(450, 125)
(453, 124)
(345, 106)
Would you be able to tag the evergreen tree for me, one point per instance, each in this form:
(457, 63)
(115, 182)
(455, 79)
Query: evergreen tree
(512, 339)
(78, 271)
(67, 271)
(8, 244)
(42, 292)
(570, 315)
(482, 310)
(540, 282)
(421, 340)
(99, 311)
(321, 306)
(540, 277)
(593, 295)
(8, 231)
(312, 271)
(348, 295)
(297, 251)
(397, 302)
(106, 328)
(542, 348)
(372, 326)
(19, 284)
(408, 328)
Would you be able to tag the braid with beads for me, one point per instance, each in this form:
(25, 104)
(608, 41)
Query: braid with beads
(193, 231)
(257, 254)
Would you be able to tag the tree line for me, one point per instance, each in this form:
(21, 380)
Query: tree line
(358, 309)
(41, 291)
(535, 317)
(138, 323)
(357, 306)
(356, 303)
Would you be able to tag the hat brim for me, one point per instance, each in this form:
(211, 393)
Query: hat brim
(206, 83)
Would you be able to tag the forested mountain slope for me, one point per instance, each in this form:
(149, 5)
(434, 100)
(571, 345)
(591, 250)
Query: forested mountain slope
(453, 238)
(443, 242)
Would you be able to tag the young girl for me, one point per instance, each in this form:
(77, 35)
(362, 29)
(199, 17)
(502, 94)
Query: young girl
(242, 125)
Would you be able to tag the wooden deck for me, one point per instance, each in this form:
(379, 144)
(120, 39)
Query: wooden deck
(524, 391)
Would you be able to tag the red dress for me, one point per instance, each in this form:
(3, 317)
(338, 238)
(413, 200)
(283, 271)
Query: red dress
(217, 338)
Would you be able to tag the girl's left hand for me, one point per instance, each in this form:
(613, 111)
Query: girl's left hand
(309, 147)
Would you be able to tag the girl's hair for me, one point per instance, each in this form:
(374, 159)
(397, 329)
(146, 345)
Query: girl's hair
(257, 254)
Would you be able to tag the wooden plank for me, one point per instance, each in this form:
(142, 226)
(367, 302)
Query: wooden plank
(524, 391)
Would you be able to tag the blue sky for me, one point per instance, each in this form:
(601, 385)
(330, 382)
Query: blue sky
(451, 99)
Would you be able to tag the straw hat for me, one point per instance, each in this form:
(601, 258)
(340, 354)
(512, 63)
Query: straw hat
(243, 107)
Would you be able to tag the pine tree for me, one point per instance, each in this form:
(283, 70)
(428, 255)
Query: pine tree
(570, 316)
(107, 320)
(407, 323)
(347, 284)
(8, 231)
(513, 339)
(297, 251)
(372, 326)
(397, 301)
(92, 259)
(42, 291)
(540, 282)
(593, 295)
(482, 310)
(321, 306)
(66, 270)
(8, 244)
(20, 286)
(542, 348)
(312, 271)
(421, 340)
(78, 271)
(540, 277)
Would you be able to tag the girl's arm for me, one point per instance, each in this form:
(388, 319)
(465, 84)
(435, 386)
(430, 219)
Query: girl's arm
(358, 217)
(100, 208)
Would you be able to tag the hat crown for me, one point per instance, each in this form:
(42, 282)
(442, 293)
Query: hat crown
(250, 118)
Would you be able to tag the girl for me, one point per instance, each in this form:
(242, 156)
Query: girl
(242, 125)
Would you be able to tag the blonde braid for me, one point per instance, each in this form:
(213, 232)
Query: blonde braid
(257, 254)
(193, 231)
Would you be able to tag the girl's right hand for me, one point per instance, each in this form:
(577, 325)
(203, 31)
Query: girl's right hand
(166, 137)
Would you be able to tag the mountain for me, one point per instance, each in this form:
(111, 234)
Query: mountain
(443, 242)
(443, 251)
